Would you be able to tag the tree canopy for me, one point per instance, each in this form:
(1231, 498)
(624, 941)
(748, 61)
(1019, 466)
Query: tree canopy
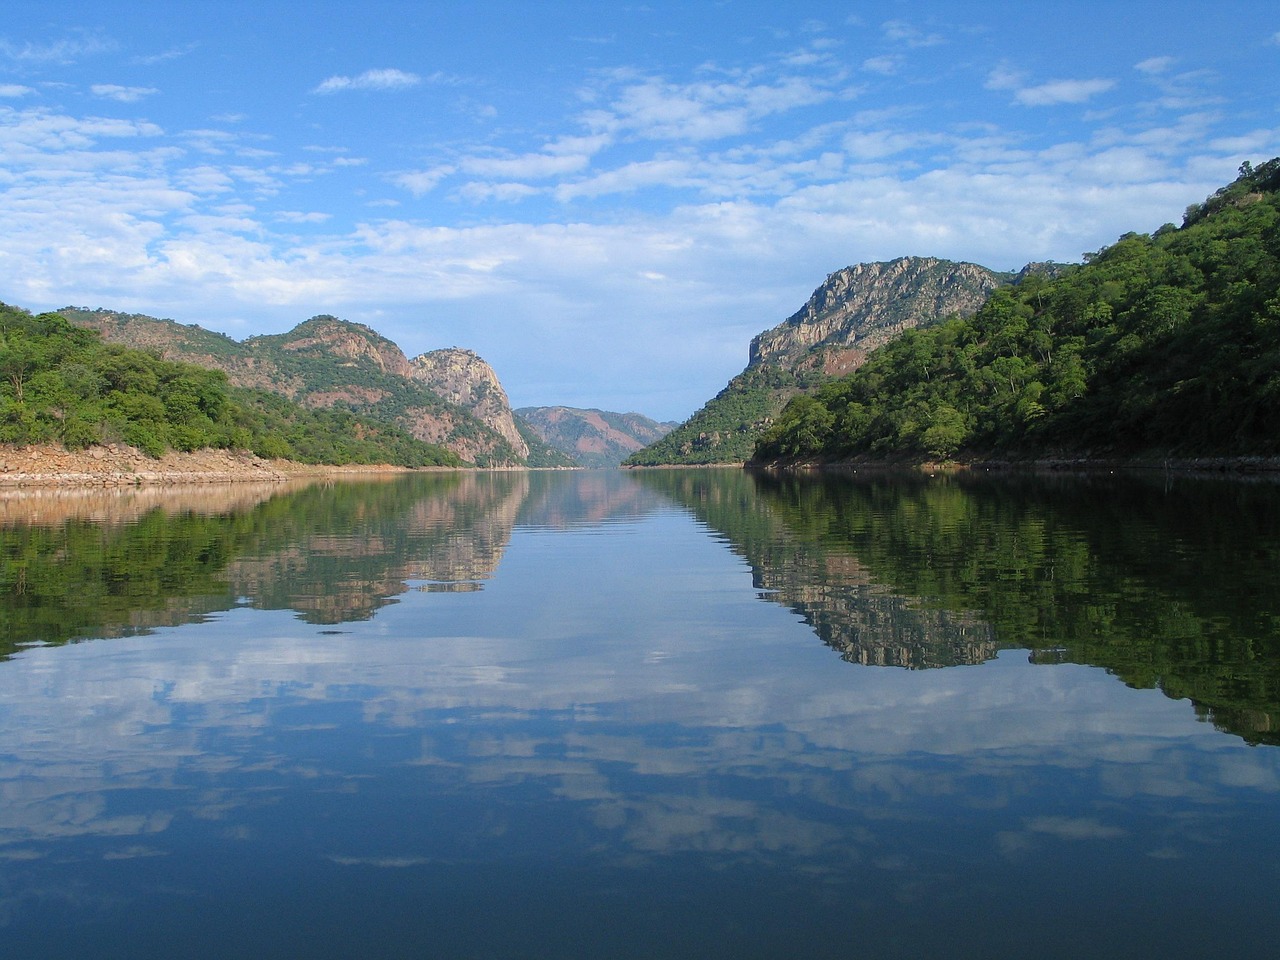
(60, 383)
(1164, 344)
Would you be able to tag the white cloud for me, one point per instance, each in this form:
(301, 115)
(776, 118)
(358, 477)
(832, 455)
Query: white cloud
(296, 216)
(899, 31)
(389, 79)
(1062, 91)
(1154, 65)
(658, 109)
(887, 65)
(14, 90)
(1004, 78)
(530, 166)
(500, 192)
(629, 178)
(59, 51)
(111, 91)
(419, 182)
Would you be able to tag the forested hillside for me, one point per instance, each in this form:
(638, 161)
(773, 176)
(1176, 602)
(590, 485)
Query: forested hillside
(62, 384)
(1159, 345)
(327, 363)
(855, 310)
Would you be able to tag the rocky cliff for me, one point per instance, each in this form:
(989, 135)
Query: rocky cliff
(462, 378)
(861, 307)
(593, 438)
(325, 361)
(854, 311)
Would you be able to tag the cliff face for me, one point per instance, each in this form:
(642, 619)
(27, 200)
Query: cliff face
(463, 378)
(325, 361)
(867, 305)
(854, 311)
(593, 438)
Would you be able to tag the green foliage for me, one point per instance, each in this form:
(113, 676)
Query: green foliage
(62, 384)
(725, 430)
(541, 453)
(322, 362)
(1165, 345)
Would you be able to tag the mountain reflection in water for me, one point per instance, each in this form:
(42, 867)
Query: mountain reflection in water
(548, 714)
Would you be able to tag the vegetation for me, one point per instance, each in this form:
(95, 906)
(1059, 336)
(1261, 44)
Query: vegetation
(728, 426)
(61, 384)
(1164, 344)
(541, 453)
(322, 362)
(854, 310)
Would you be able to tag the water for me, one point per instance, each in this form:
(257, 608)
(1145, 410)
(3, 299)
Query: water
(670, 714)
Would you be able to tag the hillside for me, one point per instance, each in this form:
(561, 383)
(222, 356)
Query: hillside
(853, 312)
(593, 438)
(62, 385)
(329, 364)
(1164, 345)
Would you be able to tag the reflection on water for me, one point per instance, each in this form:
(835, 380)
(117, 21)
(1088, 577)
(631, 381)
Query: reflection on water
(503, 715)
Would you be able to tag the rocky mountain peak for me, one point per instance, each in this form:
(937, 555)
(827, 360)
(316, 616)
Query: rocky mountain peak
(866, 305)
(463, 378)
(342, 338)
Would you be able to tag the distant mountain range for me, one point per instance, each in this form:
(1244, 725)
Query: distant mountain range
(593, 438)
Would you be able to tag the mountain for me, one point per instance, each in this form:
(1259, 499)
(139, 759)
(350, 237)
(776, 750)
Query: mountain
(1161, 346)
(462, 378)
(593, 438)
(854, 311)
(447, 397)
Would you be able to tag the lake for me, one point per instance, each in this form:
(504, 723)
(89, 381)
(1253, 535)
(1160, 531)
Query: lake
(642, 714)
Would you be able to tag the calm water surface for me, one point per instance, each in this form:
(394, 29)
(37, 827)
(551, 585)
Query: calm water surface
(671, 714)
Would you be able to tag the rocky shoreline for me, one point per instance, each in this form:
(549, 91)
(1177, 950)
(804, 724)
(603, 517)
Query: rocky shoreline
(118, 465)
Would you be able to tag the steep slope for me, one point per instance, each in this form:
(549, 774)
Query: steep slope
(462, 378)
(1161, 346)
(854, 311)
(321, 363)
(593, 438)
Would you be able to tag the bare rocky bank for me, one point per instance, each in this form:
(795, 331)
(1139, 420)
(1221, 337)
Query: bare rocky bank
(118, 465)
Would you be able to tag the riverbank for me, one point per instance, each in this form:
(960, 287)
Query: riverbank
(119, 465)
(1217, 465)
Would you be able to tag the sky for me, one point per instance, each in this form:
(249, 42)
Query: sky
(605, 201)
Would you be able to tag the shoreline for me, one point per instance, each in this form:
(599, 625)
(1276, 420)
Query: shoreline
(124, 467)
(1237, 466)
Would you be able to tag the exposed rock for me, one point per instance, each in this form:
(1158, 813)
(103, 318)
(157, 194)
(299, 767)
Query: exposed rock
(463, 378)
(324, 362)
(867, 305)
(853, 312)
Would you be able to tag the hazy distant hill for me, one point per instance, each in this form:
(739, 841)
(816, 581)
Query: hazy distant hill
(449, 397)
(855, 310)
(593, 438)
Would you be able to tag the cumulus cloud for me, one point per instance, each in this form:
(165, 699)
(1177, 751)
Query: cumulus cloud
(14, 90)
(389, 79)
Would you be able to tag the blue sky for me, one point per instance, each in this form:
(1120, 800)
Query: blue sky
(605, 201)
